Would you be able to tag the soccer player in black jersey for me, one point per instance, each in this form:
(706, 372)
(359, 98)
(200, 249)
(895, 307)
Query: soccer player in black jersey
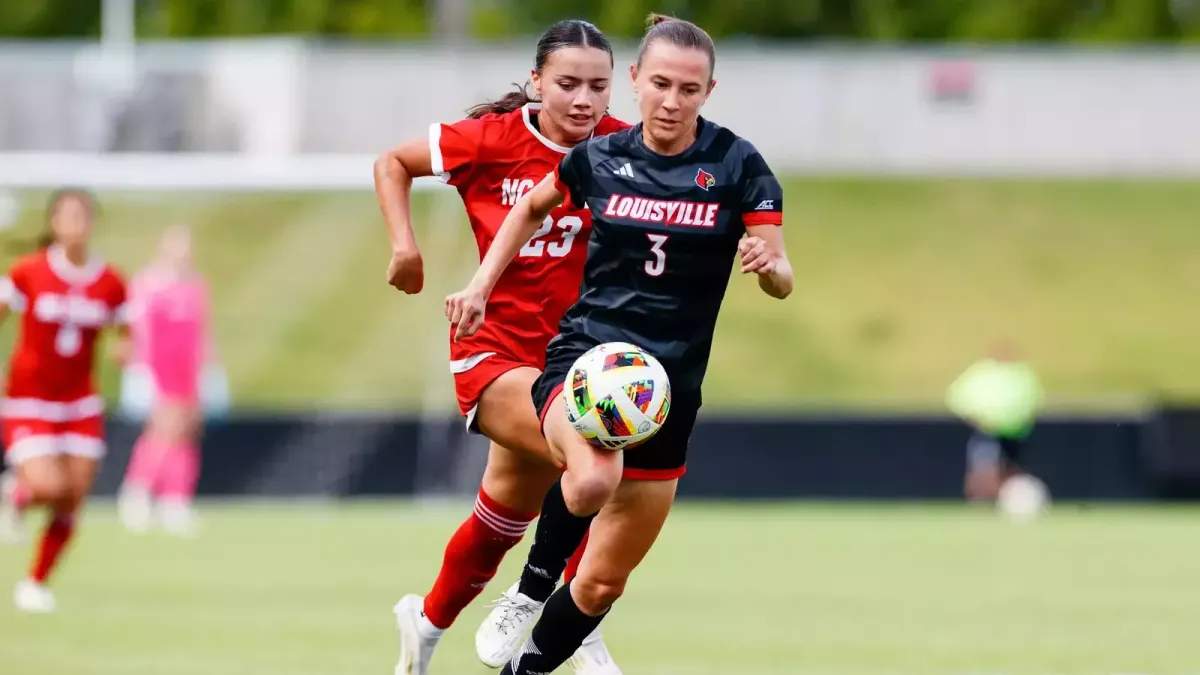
(674, 200)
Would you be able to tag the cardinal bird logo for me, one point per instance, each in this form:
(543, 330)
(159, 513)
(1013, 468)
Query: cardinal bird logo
(705, 179)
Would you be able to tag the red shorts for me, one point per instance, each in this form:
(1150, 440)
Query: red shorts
(474, 374)
(31, 438)
(34, 428)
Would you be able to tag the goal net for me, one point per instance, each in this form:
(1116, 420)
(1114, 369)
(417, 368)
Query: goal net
(295, 252)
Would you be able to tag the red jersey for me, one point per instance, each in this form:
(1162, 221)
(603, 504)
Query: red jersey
(63, 307)
(492, 161)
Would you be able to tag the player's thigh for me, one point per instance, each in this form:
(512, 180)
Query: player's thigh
(83, 448)
(174, 420)
(46, 478)
(31, 450)
(517, 479)
(621, 535)
(592, 474)
(505, 414)
(664, 456)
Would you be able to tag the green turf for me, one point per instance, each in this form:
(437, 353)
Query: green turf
(774, 590)
(901, 284)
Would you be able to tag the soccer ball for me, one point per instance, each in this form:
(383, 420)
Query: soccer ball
(617, 396)
(1023, 498)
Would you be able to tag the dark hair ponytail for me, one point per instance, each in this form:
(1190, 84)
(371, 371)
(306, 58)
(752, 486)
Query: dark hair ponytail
(562, 35)
(45, 238)
(683, 34)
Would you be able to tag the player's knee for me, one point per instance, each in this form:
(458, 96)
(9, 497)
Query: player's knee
(594, 594)
(588, 486)
(53, 490)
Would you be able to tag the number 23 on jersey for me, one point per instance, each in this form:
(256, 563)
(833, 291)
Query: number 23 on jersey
(553, 238)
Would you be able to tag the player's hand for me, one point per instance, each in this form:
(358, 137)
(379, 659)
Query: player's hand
(756, 256)
(406, 271)
(464, 309)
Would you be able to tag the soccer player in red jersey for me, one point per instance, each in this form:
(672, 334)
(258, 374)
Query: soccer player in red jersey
(499, 152)
(53, 417)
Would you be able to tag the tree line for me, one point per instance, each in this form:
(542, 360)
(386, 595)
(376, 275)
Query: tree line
(885, 21)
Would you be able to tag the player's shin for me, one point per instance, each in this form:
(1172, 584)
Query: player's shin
(560, 631)
(559, 533)
(472, 557)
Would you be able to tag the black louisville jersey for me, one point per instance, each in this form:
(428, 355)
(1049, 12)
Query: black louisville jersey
(665, 232)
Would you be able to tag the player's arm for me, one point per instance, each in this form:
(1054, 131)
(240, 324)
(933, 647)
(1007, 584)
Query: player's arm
(12, 298)
(447, 152)
(465, 308)
(762, 250)
(394, 174)
(765, 255)
(122, 349)
(519, 225)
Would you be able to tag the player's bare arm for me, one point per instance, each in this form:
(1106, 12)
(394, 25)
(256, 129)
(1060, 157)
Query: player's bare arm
(763, 253)
(394, 173)
(465, 308)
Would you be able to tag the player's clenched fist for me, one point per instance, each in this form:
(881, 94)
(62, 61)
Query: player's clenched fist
(756, 256)
(464, 309)
(406, 271)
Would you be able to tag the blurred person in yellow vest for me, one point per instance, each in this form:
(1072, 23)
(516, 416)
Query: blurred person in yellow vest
(999, 396)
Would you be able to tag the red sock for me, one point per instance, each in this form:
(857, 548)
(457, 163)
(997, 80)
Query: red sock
(472, 558)
(573, 563)
(54, 542)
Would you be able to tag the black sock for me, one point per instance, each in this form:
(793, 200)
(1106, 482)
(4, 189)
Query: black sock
(558, 633)
(559, 532)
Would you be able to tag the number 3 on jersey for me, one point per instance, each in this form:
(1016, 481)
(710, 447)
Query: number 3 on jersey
(658, 265)
(560, 247)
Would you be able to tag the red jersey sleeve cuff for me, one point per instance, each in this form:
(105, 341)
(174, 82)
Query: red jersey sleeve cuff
(763, 218)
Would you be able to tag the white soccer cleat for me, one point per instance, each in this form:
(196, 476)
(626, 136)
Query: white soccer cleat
(502, 633)
(177, 518)
(592, 657)
(418, 637)
(33, 598)
(136, 508)
(10, 516)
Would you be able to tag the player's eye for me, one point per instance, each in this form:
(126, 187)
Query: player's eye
(567, 85)
(600, 87)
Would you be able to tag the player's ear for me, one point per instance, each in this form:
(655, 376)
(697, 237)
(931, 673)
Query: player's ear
(536, 78)
(712, 84)
(633, 73)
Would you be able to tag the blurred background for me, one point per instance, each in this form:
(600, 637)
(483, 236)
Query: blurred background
(958, 173)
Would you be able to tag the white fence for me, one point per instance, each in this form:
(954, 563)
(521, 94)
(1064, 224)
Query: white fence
(1040, 112)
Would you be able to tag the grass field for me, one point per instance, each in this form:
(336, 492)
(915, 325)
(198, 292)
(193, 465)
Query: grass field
(770, 590)
(901, 284)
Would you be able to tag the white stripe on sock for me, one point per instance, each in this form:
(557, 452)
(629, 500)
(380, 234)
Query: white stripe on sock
(505, 526)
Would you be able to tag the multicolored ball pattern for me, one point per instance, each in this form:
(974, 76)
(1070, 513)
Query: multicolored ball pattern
(617, 396)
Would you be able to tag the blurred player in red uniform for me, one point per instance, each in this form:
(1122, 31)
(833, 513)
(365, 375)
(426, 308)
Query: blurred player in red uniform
(53, 417)
(501, 151)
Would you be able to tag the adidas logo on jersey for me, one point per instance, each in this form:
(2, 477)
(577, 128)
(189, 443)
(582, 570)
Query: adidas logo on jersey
(626, 171)
(666, 212)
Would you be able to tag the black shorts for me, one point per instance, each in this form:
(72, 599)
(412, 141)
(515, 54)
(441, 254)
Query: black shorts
(988, 450)
(664, 456)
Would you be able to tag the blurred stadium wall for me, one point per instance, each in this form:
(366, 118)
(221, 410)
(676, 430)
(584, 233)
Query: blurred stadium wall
(265, 145)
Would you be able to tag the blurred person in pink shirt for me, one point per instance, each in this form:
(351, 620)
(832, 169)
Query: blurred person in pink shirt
(166, 379)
